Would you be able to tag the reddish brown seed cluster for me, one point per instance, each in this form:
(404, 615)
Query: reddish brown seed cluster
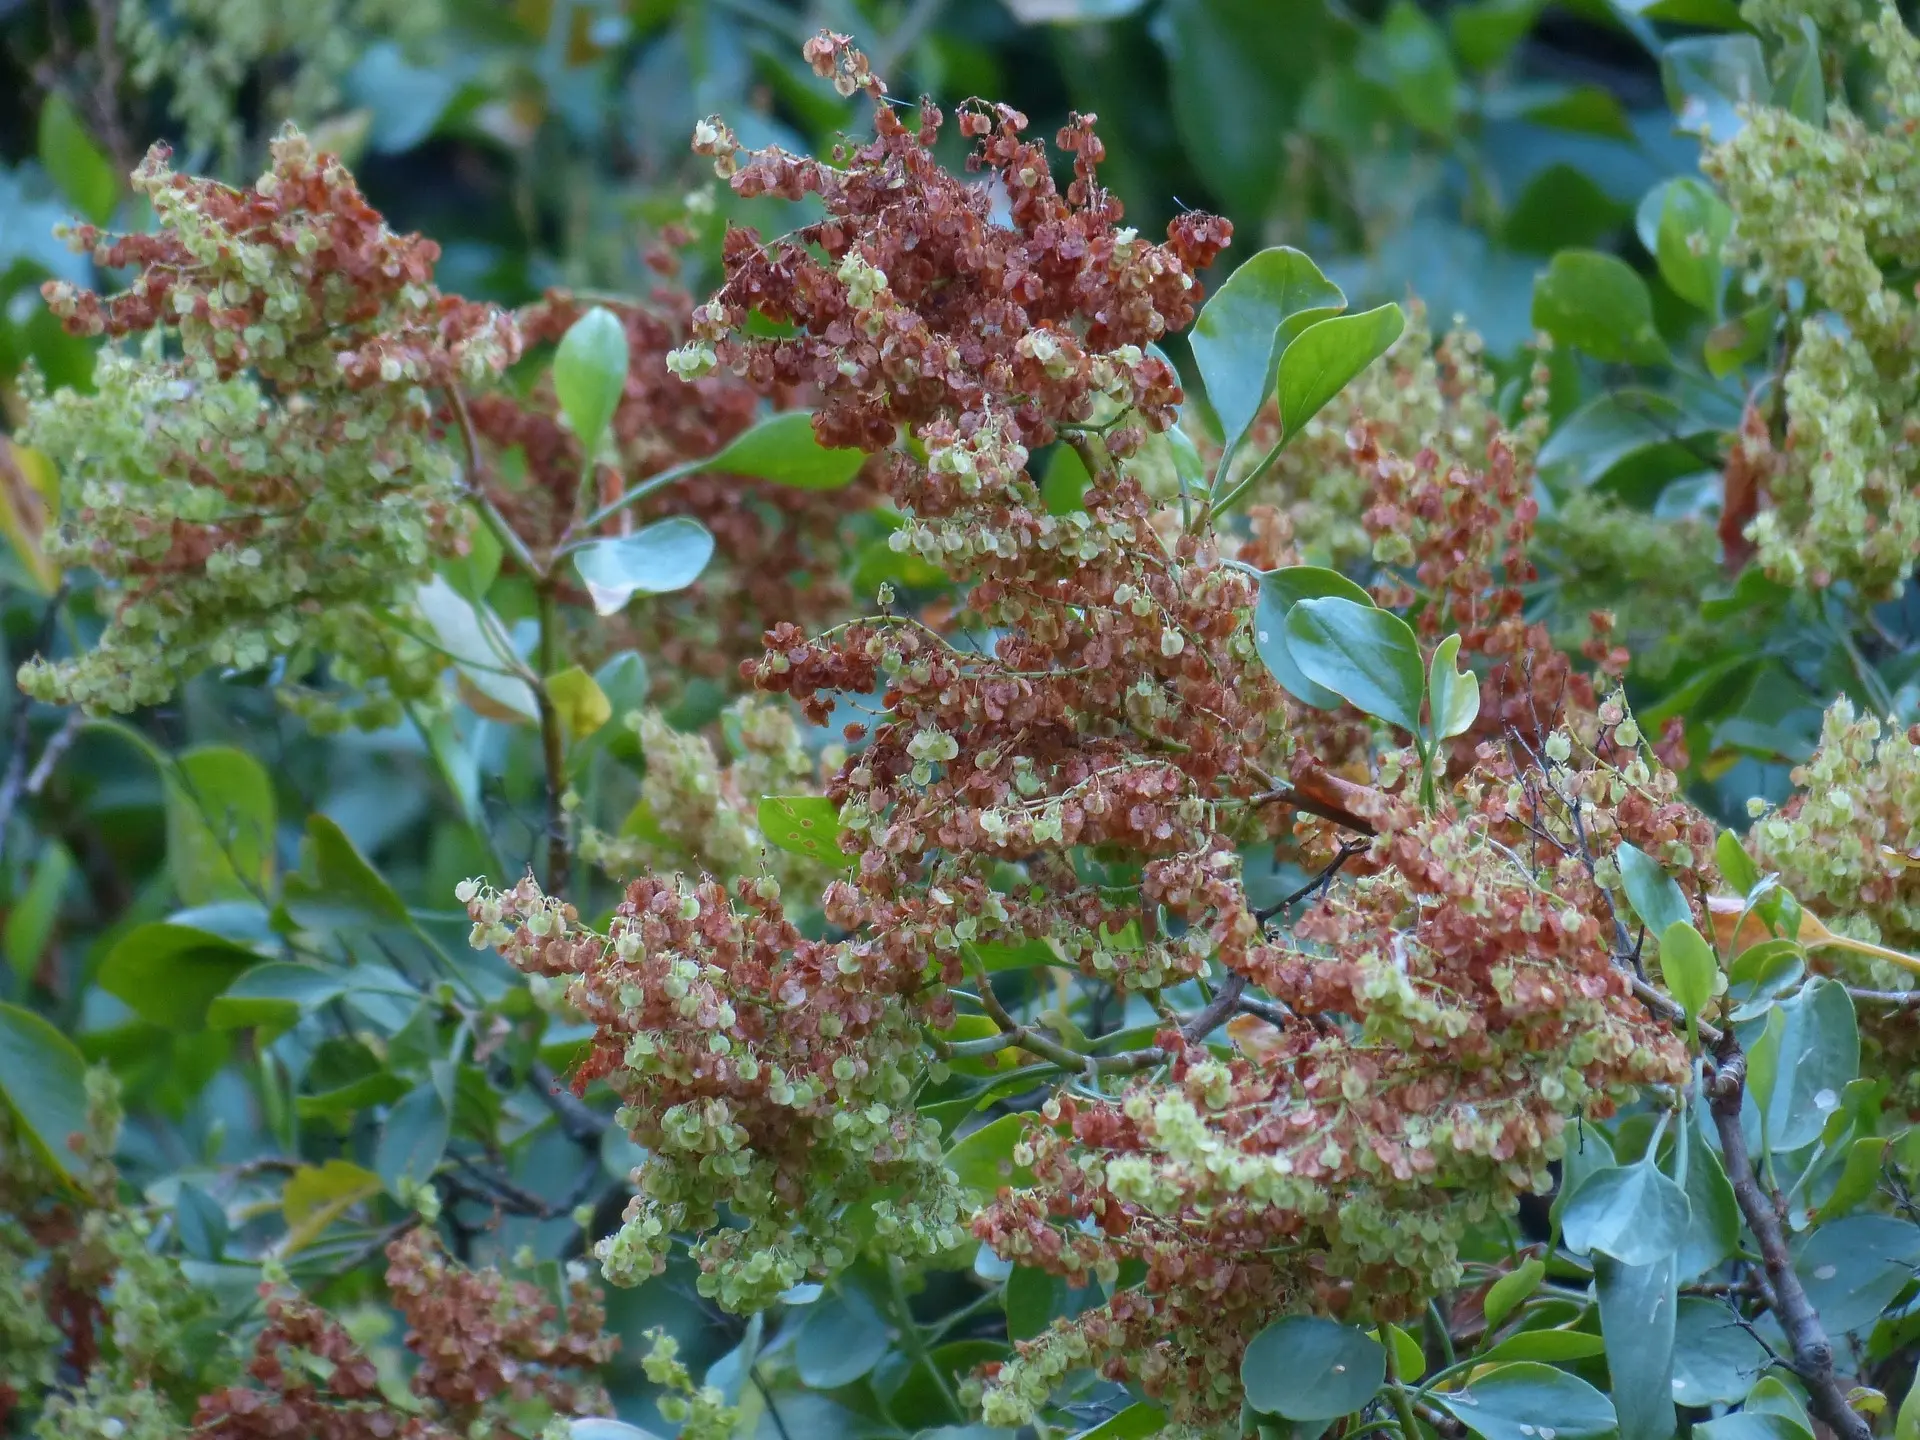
(481, 1342)
(302, 252)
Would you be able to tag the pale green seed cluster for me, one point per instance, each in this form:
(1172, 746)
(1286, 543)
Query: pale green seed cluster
(1848, 846)
(1830, 209)
(701, 1411)
(280, 512)
(203, 53)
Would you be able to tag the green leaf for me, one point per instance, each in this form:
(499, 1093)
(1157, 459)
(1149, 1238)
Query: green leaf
(1762, 973)
(1906, 1424)
(983, 1160)
(1713, 1232)
(994, 956)
(1453, 694)
(590, 373)
(1033, 1299)
(1802, 88)
(1616, 438)
(1693, 229)
(1689, 967)
(1325, 356)
(1551, 1347)
(274, 996)
(31, 920)
(43, 1081)
(1807, 1056)
(1246, 327)
(1637, 1324)
(84, 174)
(473, 573)
(1136, 1422)
(1736, 866)
(1594, 302)
(1708, 78)
(1509, 1402)
(336, 888)
(596, 1427)
(1280, 591)
(1409, 1360)
(1741, 340)
(1512, 1288)
(1587, 1153)
(665, 556)
(1486, 31)
(413, 1139)
(201, 1222)
(1716, 1357)
(1307, 1368)
(1409, 55)
(579, 701)
(1631, 1212)
(802, 824)
(1859, 1176)
(477, 644)
(1365, 655)
(783, 449)
(1747, 1425)
(220, 825)
(1853, 1268)
(170, 974)
(842, 1339)
(1656, 897)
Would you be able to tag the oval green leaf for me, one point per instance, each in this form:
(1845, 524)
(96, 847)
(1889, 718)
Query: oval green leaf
(665, 556)
(1656, 897)
(1280, 591)
(784, 451)
(1453, 694)
(1510, 1402)
(1246, 327)
(1689, 966)
(589, 374)
(1596, 303)
(1512, 1288)
(171, 974)
(802, 824)
(1631, 1212)
(220, 825)
(1324, 357)
(43, 1081)
(1365, 655)
(1308, 1368)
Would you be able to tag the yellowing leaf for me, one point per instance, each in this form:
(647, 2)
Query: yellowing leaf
(29, 504)
(582, 705)
(317, 1195)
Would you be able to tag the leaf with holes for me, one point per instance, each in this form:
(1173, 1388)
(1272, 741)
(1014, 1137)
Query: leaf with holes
(803, 824)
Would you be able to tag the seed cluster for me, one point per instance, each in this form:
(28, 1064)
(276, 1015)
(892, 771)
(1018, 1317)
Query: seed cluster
(270, 488)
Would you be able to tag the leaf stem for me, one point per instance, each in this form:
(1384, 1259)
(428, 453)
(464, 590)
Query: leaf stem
(911, 1338)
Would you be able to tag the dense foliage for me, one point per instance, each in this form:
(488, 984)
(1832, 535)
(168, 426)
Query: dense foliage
(895, 785)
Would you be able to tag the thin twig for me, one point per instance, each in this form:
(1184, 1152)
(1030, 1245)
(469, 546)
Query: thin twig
(1812, 1350)
(579, 1121)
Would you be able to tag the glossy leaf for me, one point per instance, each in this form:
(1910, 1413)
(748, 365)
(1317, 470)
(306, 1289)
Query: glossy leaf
(1631, 1212)
(665, 556)
(1746, 1425)
(1367, 656)
(590, 373)
(413, 1140)
(983, 1160)
(170, 974)
(803, 824)
(1656, 897)
(1137, 1422)
(1736, 866)
(35, 912)
(274, 996)
(1716, 1357)
(1280, 591)
(843, 1338)
(1798, 1068)
(474, 640)
(201, 1221)
(1453, 693)
(1511, 1289)
(1308, 1368)
(43, 1081)
(1509, 1402)
(783, 449)
(1637, 1321)
(1853, 1268)
(220, 825)
(1550, 1347)
(1247, 325)
(336, 887)
(1596, 303)
(1688, 966)
(1324, 357)
(1693, 229)
(1033, 1299)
